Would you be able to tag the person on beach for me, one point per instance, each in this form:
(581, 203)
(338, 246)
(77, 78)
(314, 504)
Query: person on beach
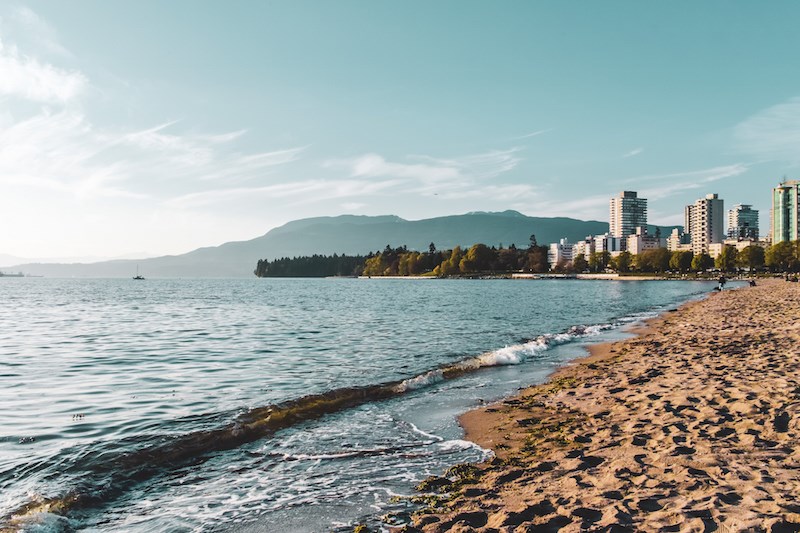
(722, 282)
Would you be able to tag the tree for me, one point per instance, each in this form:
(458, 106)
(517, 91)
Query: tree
(781, 257)
(622, 263)
(598, 261)
(681, 260)
(579, 263)
(726, 260)
(450, 266)
(561, 266)
(533, 241)
(537, 259)
(702, 262)
(477, 259)
(508, 259)
(751, 257)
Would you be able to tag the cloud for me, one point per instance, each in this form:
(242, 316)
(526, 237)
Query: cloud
(773, 133)
(298, 192)
(529, 135)
(502, 193)
(63, 152)
(38, 31)
(374, 165)
(28, 78)
(429, 169)
(694, 179)
(632, 153)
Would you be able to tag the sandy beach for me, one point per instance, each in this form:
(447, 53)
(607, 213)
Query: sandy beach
(690, 426)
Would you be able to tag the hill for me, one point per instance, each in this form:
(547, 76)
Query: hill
(350, 234)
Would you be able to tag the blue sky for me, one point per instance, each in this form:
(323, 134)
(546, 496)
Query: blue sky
(160, 127)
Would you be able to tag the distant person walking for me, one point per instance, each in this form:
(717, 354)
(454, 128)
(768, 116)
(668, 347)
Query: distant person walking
(722, 282)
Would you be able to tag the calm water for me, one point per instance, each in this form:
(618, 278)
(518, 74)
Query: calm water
(142, 406)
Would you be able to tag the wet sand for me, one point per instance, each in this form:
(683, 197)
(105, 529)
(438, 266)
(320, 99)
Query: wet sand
(690, 426)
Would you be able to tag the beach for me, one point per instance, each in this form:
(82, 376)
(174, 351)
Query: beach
(692, 425)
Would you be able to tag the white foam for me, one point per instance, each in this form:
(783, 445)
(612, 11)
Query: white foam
(458, 444)
(415, 429)
(423, 380)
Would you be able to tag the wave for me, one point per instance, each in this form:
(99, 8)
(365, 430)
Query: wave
(110, 472)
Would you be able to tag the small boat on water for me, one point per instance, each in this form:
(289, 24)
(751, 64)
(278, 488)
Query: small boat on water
(137, 276)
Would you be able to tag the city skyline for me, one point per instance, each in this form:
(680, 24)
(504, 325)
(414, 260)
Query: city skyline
(161, 128)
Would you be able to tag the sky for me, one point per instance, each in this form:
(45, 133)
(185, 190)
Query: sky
(152, 128)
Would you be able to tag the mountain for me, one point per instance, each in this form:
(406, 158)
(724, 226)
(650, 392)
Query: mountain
(345, 234)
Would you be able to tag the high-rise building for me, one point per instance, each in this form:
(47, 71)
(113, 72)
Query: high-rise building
(704, 222)
(784, 214)
(559, 252)
(626, 213)
(743, 222)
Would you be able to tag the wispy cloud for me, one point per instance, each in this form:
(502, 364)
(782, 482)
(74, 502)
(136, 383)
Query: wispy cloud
(63, 151)
(295, 192)
(529, 135)
(28, 78)
(678, 182)
(632, 153)
(446, 178)
(772, 134)
(38, 31)
(426, 169)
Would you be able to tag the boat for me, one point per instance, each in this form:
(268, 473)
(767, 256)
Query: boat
(137, 276)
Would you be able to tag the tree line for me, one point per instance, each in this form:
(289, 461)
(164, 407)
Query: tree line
(483, 259)
(781, 257)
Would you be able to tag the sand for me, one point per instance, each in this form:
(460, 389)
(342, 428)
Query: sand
(690, 426)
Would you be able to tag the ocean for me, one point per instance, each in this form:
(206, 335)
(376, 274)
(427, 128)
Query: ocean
(282, 405)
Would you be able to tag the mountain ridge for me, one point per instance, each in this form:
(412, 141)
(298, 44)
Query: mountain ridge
(343, 234)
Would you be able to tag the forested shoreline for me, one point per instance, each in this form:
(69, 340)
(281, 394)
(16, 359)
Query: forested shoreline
(483, 259)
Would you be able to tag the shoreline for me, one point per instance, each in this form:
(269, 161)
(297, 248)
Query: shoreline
(691, 424)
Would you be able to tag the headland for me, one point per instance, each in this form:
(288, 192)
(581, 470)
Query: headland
(692, 425)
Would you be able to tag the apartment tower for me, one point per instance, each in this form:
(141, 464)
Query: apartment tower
(784, 214)
(626, 213)
(703, 220)
(743, 222)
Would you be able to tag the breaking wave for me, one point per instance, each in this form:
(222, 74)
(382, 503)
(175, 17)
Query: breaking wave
(115, 471)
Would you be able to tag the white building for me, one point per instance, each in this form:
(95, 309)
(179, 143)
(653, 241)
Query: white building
(641, 241)
(583, 248)
(704, 222)
(607, 243)
(714, 249)
(559, 252)
(678, 242)
(626, 212)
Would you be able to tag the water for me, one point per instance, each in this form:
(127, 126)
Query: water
(189, 405)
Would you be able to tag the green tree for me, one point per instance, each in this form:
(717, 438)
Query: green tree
(702, 262)
(579, 263)
(623, 262)
(781, 257)
(751, 257)
(681, 260)
(598, 261)
(653, 260)
(477, 259)
(449, 266)
(726, 260)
